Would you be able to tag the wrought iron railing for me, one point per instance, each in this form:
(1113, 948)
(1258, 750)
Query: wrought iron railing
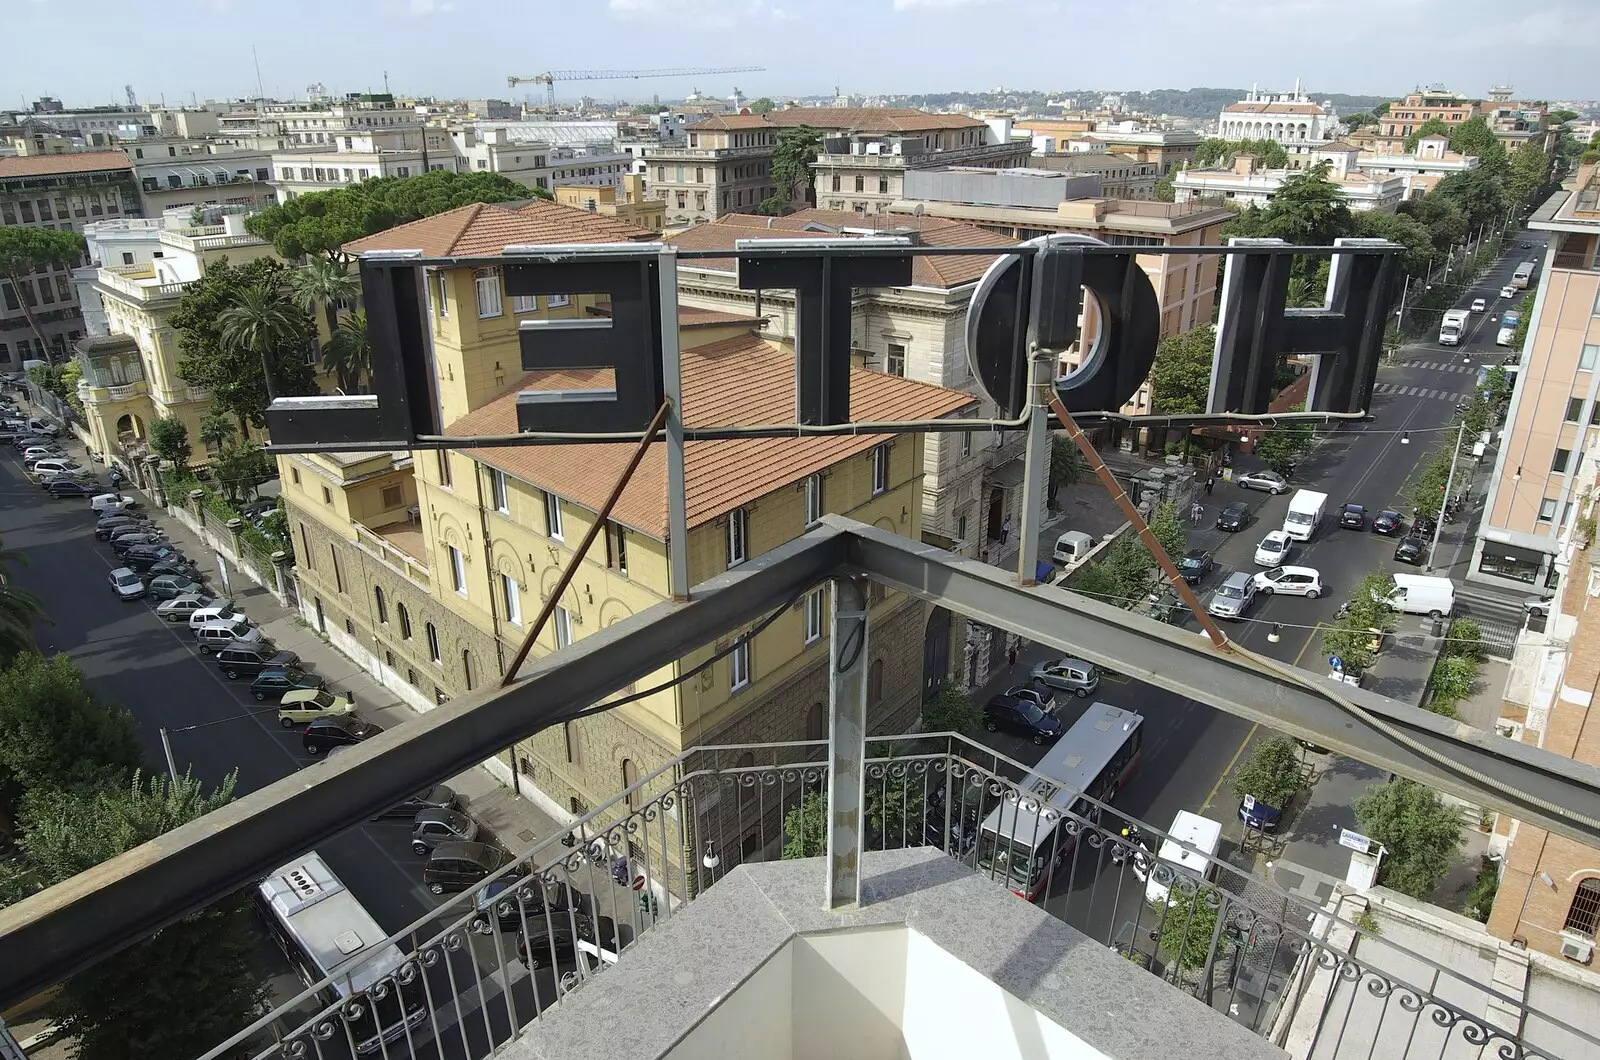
(568, 907)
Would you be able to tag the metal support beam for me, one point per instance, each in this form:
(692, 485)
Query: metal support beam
(847, 741)
(1533, 785)
(672, 380)
(1036, 451)
(65, 929)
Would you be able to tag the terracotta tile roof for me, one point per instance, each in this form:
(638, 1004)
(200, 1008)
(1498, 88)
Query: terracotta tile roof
(741, 380)
(488, 228)
(871, 119)
(1275, 108)
(50, 165)
(820, 224)
(732, 122)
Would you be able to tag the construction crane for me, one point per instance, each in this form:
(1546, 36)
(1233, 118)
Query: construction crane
(548, 80)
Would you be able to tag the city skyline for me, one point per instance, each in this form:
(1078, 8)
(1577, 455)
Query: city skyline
(439, 48)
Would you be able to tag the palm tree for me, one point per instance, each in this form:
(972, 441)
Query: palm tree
(263, 320)
(19, 609)
(326, 283)
(349, 353)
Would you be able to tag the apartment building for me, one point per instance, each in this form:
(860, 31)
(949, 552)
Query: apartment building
(199, 172)
(1293, 120)
(1422, 169)
(428, 568)
(726, 166)
(1168, 149)
(131, 355)
(1025, 204)
(540, 164)
(1120, 176)
(629, 203)
(322, 123)
(1549, 426)
(354, 156)
(1248, 183)
(862, 165)
(40, 316)
(1406, 116)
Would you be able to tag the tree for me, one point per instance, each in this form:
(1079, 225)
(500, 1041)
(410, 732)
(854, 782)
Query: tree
(200, 967)
(1352, 636)
(1431, 127)
(240, 468)
(894, 802)
(1180, 378)
(1479, 194)
(1357, 121)
(169, 439)
(1426, 494)
(1474, 137)
(1281, 446)
(1398, 228)
(1497, 384)
(950, 711)
(1420, 833)
(791, 160)
(1066, 466)
(1310, 210)
(56, 734)
(1380, 110)
(805, 828)
(1450, 682)
(324, 221)
(1165, 189)
(348, 355)
(20, 609)
(324, 283)
(1445, 221)
(1186, 925)
(1273, 773)
(762, 105)
(1529, 168)
(1561, 117)
(1215, 152)
(1168, 530)
(22, 250)
(216, 430)
(233, 373)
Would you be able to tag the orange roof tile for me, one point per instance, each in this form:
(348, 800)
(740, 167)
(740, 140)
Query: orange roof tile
(741, 380)
(871, 119)
(50, 165)
(484, 229)
(731, 122)
(1265, 106)
(926, 271)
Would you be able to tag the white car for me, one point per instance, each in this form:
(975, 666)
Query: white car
(35, 453)
(126, 584)
(1479, 305)
(1292, 581)
(1508, 291)
(44, 427)
(1274, 549)
(216, 611)
(1505, 336)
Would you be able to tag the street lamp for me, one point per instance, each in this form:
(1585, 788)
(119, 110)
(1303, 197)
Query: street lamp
(1449, 484)
(1405, 437)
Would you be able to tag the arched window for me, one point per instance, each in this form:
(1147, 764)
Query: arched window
(747, 760)
(433, 643)
(1584, 913)
(630, 777)
(466, 668)
(405, 621)
(817, 722)
(875, 683)
(383, 607)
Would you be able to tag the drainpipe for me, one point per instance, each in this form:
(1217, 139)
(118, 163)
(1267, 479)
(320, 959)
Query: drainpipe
(494, 611)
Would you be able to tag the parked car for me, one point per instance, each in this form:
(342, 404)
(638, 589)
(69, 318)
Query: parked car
(1022, 717)
(1195, 564)
(214, 636)
(433, 827)
(1068, 675)
(1232, 599)
(171, 587)
(1253, 813)
(1353, 517)
(143, 557)
(457, 866)
(177, 565)
(106, 529)
(1274, 549)
(130, 538)
(38, 426)
(302, 706)
(180, 607)
(218, 611)
(1508, 291)
(1233, 518)
(126, 584)
(1270, 481)
(440, 796)
(30, 439)
(53, 467)
(112, 502)
(1290, 581)
(1389, 522)
(1412, 549)
(512, 901)
(336, 731)
(1035, 692)
(35, 453)
(69, 487)
(1478, 305)
(275, 684)
(242, 660)
(1424, 525)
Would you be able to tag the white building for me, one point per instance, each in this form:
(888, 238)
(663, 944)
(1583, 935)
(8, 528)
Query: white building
(594, 163)
(1247, 185)
(1292, 120)
(1422, 169)
(352, 157)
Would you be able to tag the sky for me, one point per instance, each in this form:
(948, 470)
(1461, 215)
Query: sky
(87, 50)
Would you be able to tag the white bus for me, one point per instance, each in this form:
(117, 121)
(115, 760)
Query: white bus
(326, 934)
(1020, 841)
(1524, 275)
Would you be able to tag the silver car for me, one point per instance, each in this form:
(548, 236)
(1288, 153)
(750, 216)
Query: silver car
(1068, 675)
(179, 608)
(126, 584)
(1270, 481)
(1234, 596)
(434, 826)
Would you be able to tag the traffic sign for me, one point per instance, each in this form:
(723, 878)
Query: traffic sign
(638, 883)
(1355, 841)
(1249, 803)
(1335, 662)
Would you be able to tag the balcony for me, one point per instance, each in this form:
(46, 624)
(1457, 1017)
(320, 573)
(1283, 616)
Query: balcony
(94, 394)
(399, 547)
(655, 154)
(138, 282)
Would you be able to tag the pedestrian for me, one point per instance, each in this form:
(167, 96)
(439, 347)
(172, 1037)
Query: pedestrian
(1011, 657)
(1196, 511)
(1211, 481)
(1005, 531)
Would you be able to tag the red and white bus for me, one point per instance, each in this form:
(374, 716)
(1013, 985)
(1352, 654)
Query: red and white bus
(1022, 841)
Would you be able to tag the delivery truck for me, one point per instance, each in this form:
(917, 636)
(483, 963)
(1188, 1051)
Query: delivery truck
(1305, 512)
(1452, 328)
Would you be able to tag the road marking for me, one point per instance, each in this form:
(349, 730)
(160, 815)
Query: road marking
(1228, 769)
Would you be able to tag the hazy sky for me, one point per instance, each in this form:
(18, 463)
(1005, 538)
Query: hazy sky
(84, 51)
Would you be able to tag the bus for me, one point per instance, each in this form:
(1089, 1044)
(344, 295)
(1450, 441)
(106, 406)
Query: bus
(327, 935)
(1023, 842)
(1524, 275)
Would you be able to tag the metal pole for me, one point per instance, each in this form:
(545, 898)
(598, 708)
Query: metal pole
(1438, 527)
(166, 745)
(1035, 472)
(1400, 318)
(672, 378)
(847, 742)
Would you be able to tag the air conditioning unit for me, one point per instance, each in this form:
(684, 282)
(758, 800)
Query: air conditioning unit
(1575, 948)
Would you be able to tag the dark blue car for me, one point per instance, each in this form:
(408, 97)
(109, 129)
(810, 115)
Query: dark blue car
(1258, 815)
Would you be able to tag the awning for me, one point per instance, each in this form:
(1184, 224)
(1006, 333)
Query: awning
(1007, 475)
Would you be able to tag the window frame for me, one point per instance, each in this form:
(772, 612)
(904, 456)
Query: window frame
(880, 469)
(738, 537)
(458, 569)
(511, 599)
(499, 491)
(554, 526)
(1576, 918)
(813, 490)
(381, 604)
(434, 654)
(561, 627)
(739, 666)
(487, 282)
(814, 617)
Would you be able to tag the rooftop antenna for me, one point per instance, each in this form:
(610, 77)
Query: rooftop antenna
(260, 92)
(386, 82)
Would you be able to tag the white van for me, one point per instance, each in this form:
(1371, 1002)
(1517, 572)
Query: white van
(1416, 594)
(111, 502)
(1189, 830)
(1072, 547)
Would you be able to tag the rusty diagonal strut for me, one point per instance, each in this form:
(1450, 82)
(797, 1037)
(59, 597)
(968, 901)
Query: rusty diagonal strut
(600, 520)
(1219, 640)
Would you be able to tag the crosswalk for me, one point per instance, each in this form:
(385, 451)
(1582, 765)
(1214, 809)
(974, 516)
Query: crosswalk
(1444, 366)
(1395, 390)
